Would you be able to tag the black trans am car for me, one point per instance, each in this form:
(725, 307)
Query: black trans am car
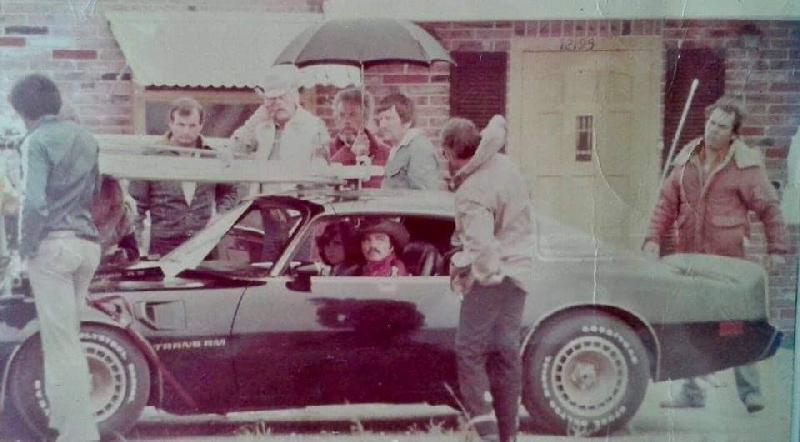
(261, 326)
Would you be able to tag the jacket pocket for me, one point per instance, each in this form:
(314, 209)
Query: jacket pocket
(682, 219)
(395, 168)
(55, 255)
(728, 220)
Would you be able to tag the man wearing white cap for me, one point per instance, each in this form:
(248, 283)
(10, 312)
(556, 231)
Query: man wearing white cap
(281, 129)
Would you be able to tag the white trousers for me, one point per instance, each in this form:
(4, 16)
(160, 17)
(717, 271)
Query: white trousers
(60, 274)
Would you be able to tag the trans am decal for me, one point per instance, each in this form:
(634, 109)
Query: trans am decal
(194, 344)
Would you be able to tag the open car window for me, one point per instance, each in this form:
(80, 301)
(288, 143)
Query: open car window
(425, 254)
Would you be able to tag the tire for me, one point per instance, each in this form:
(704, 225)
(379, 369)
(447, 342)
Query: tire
(584, 373)
(12, 427)
(120, 381)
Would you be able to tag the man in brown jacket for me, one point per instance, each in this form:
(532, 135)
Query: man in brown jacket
(494, 227)
(716, 180)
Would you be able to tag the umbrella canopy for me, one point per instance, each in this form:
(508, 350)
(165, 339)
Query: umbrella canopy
(363, 42)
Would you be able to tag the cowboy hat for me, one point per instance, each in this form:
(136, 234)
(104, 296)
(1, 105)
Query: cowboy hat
(395, 230)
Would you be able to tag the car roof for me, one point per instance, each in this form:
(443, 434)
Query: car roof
(394, 201)
(409, 202)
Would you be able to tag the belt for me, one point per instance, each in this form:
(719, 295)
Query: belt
(56, 234)
(62, 234)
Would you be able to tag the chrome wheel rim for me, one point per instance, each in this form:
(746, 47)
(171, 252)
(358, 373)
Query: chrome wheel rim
(589, 377)
(109, 380)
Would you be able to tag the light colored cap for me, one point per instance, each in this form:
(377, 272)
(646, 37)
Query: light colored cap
(280, 80)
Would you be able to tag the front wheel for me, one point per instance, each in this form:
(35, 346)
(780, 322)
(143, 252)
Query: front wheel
(119, 374)
(585, 373)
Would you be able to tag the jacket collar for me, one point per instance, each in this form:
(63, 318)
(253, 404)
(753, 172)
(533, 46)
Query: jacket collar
(42, 120)
(200, 143)
(743, 155)
(493, 139)
(373, 140)
(300, 117)
(410, 134)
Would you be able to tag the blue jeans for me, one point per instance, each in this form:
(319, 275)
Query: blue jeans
(748, 382)
(60, 274)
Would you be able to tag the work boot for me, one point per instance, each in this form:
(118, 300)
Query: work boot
(753, 402)
(113, 437)
(475, 437)
(482, 430)
(691, 396)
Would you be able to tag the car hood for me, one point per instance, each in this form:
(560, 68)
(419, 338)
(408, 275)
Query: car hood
(684, 288)
(191, 253)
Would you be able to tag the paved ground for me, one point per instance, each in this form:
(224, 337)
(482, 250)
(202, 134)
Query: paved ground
(724, 419)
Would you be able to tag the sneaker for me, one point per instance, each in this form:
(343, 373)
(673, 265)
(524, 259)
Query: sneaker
(753, 403)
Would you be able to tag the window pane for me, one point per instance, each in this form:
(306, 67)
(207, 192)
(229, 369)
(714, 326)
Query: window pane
(221, 119)
(584, 137)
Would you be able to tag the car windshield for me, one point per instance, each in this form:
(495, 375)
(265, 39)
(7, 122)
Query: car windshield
(251, 236)
(259, 236)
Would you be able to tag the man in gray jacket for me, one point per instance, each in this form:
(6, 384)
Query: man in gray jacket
(59, 242)
(494, 227)
(412, 162)
(178, 210)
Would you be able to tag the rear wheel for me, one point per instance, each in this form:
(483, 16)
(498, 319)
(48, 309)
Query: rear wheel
(119, 373)
(585, 373)
(12, 427)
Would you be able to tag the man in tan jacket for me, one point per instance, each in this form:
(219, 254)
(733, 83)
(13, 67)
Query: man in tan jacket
(715, 182)
(494, 226)
(281, 129)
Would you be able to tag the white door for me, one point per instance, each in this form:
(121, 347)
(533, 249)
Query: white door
(585, 128)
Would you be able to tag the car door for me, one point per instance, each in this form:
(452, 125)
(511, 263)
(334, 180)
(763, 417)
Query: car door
(346, 338)
(187, 318)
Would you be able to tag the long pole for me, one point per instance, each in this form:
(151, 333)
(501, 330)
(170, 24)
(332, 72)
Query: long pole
(674, 144)
(364, 116)
(679, 129)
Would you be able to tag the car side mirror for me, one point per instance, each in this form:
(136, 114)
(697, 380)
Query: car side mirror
(301, 273)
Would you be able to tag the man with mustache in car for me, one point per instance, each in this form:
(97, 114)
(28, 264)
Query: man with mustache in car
(380, 243)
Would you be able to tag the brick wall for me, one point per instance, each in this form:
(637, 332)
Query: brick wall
(76, 47)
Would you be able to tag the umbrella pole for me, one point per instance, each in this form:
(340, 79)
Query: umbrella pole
(364, 116)
(363, 90)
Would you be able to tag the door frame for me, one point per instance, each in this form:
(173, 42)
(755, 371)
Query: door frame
(652, 44)
(648, 50)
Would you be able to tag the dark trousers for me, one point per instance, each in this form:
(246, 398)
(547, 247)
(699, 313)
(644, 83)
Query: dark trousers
(489, 365)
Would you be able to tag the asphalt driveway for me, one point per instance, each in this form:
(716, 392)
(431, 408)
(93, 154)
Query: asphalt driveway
(723, 419)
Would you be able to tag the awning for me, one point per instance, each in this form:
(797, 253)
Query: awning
(482, 10)
(203, 49)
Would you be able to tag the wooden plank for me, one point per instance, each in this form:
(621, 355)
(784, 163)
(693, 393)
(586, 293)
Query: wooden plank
(143, 157)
